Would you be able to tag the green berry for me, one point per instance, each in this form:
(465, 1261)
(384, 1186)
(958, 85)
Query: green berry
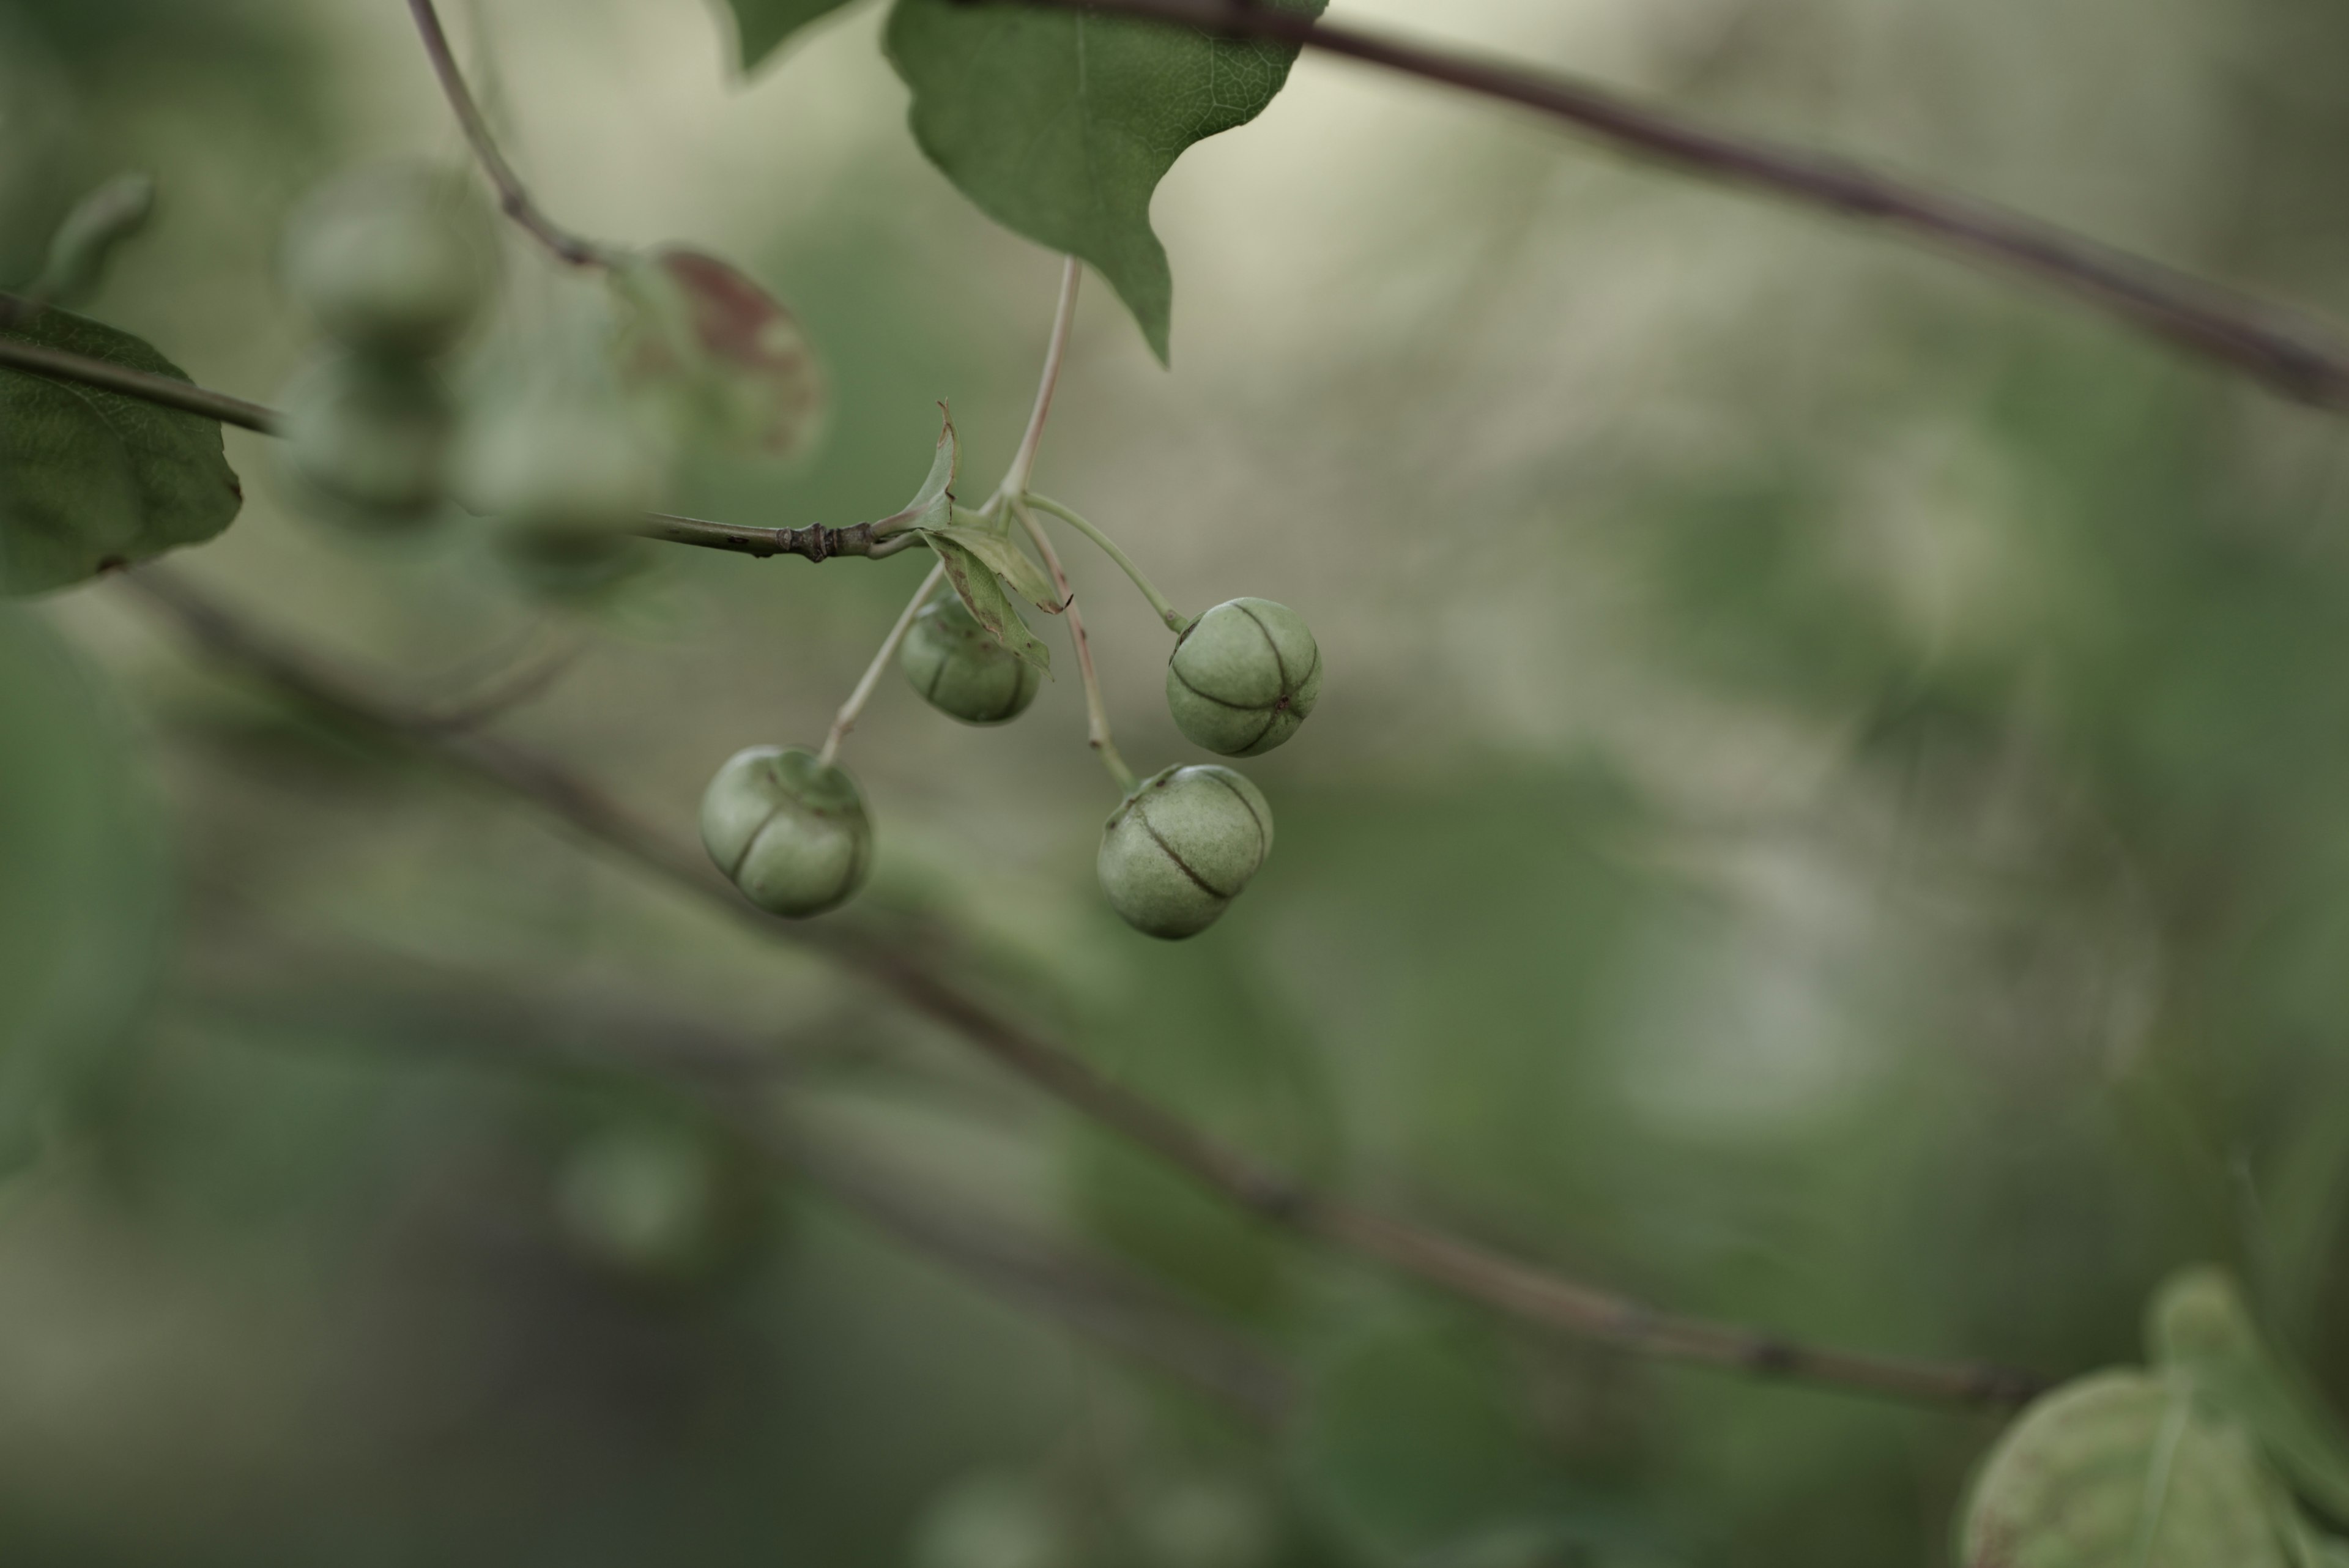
(1244, 676)
(961, 670)
(393, 261)
(1181, 846)
(568, 481)
(788, 828)
(368, 442)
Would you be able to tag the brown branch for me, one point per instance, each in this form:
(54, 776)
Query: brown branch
(514, 197)
(735, 1077)
(148, 388)
(816, 543)
(1460, 1267)
(2297, 359)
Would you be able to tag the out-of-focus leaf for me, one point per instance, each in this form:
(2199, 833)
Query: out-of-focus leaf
(1018, 573)
(723, 365)
(90, 479)
(1061, 125)
(85, 241)
(762, 26)
(82, 883)
(2121, 1470)
(983, 595)
(1408, 1445)
(2200, 1328)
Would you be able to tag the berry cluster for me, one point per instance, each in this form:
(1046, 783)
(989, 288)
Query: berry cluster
(790, 826)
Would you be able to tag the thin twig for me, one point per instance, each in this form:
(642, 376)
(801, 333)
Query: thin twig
(514, 197)
(1096, 710)
(1014, 488)
(509, 689)
(815, 542)
(1064, 320)
(753, 1086)
(2288, 353)
(853, 709)
(148, 388)
(1176, 621)
(1448, 1263)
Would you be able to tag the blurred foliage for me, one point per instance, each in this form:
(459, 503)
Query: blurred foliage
(1827, 812)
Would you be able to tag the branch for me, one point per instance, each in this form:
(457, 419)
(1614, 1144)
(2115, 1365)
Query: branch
(1056, 352)
(725, 1073)
(816, 543)
(513, 198)
(148, 388)
(1097, 734)
(2185, 310)
(1460, 1267)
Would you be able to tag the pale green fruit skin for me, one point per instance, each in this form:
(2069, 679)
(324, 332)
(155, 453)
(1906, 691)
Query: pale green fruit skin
(962, 672)
(1244, 676)
(368, 441)
(547, 465)
(568, 483)
(391, 261)
(791, 832)
(1181, 846)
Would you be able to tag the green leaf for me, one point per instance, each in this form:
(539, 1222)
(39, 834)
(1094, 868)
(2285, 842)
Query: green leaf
(82, 893)
(933, 504)
(2120, 1469)
(85, 241)
(982, 593)
(2200, 1328)
(723, 366)
(760, 26)
(1060, 126)
(1018, 574)
(90, 479)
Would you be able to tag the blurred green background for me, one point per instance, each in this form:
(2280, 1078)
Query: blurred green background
(1830, 809)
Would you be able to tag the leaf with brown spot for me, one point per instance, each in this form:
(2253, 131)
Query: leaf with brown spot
(725, 366)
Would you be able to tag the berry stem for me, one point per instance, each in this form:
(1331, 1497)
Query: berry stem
(1176, 621)
(1064, 320)
(1096, 710)
(514, 197)
(854, 708)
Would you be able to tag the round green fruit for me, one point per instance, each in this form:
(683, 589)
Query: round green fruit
(549, 464)
(1244, 676)
(1181, 846)
(961, 670)
(394, 261)
(790, 829)
(568, 482)
(368, 442)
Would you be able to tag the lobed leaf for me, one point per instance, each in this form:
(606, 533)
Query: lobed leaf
(2121, 1470)
(91, 480)
(762, 27)
(1061, 125)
